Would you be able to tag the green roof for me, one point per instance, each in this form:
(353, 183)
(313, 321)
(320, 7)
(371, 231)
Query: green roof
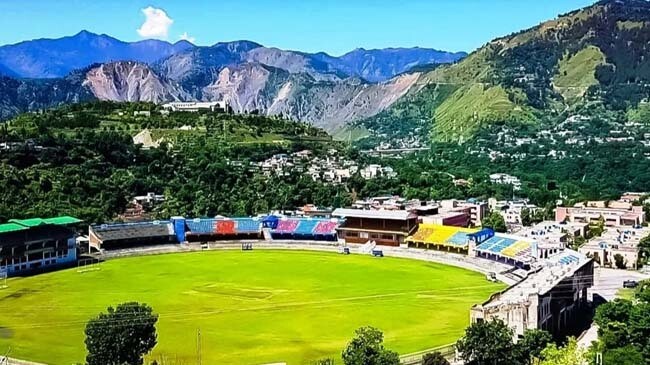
(62, 220)
(35, 222)
(31, 222)
(11, 227)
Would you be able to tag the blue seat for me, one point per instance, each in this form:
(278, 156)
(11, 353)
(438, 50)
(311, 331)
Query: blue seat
(306, 226)
(199, 226)
(247, 225)
(459, 239)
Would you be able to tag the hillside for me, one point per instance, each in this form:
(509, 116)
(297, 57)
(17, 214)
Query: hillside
(594, 54)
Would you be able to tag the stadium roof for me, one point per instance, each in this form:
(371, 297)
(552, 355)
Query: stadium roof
(400, 215)
(129, 231)
(11, 227)
(34, 222)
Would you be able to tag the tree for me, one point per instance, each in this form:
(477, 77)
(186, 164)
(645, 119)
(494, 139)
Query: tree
(367, 348)
(526, 217)
(532, 344)
(122, 335)
(619, 261)
(642, 292)
(488, 343)
(434, 358)
(495, 221)
(628, 355)
(570, 354)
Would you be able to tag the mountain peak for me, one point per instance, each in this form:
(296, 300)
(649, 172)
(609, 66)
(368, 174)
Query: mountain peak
(238, 46)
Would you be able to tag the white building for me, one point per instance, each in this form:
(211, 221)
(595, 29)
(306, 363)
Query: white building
(195, 106)
(505, 179)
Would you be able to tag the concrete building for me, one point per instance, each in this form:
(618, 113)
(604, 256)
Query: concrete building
(552, 298)
(620, 216)
(475, 211)
(614, 241)
(36, 244)
(384, 227)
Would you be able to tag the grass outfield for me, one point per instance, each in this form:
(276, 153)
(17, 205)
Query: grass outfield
(252, 307)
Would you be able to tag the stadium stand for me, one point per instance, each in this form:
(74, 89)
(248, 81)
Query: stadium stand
(286, 226)
(435, 236)
(199, 229)
(199, 226)
(325, 228)
(225, 227)
(247, 225)
(37, 244)
(513, 250)
(305, 228)
(120, 235)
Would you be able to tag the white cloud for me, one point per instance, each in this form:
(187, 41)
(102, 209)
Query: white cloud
(186, 37)
(156, 23)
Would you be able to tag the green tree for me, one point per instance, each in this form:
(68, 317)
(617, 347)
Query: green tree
(526, 217)
(122, 335)
(434, 358)
(488, 343)
(532, 344)
(367, 348)
(619, 261)
(495, 221)
(570, 354)
(642, 292)
(628, 355)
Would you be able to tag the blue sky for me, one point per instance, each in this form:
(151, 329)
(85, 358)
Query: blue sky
(333, 26)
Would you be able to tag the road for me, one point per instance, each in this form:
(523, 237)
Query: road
(607, 283)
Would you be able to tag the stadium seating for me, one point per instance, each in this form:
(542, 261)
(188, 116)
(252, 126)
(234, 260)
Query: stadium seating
(287, 226)
(306, 227)
(451, 236)
(223, 226)
(516, 249)
(200, 226)
(458, 239)
(247, 225)
(569, 259)
(496, 244)
(325, 228)
(421, 235)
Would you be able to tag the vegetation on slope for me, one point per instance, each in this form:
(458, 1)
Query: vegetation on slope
(594, 54)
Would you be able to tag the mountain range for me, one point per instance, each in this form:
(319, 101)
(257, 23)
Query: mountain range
(593, 55)
(319, 88)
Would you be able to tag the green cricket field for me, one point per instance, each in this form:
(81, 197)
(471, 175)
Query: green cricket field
(251, 307)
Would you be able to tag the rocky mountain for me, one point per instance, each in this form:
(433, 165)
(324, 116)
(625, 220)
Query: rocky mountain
(54, 58)
(18, 95)
(324, 90)
(596, 54)
(379, 64)
(130, 81)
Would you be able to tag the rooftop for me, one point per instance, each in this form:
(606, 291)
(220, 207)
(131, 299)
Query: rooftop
(556, 268)
(375, 214)
(15, 225)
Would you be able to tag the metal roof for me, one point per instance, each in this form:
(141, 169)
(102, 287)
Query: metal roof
(62, 220)
(31, 222)
(376, 214)
(11, 227)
